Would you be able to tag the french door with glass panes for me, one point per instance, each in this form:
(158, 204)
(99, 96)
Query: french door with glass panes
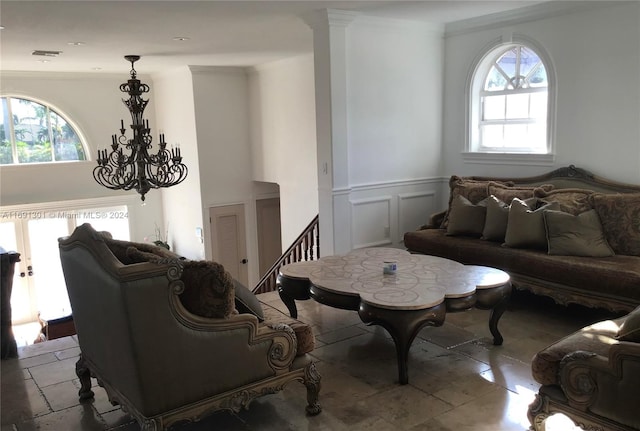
(39, 288)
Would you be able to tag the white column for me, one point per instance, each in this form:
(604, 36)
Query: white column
(330, 58)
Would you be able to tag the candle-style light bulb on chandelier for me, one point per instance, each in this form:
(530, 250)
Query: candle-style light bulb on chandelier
(130, 164)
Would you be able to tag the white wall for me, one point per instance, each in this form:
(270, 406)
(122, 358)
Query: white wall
(596, 55)
(182, 203)
(93, 103)
(221, 107)
(394, 131)
(283, 138)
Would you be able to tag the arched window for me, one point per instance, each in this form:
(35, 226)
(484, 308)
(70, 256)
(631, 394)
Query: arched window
(31, 132)
(510, 104)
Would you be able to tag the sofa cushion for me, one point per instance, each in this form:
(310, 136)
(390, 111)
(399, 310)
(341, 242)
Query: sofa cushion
(572, 201)
(466, 218)
(246, 301)
(596, 338)
(525, 227)
(507, 193)
(575, 235)
(304, 333)
(208, 289)
(620, 218)
(495, 225)
(611, 277)
(129, 252)
(630, 329)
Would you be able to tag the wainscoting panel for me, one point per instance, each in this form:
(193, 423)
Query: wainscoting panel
(371, 221)
(414, 209)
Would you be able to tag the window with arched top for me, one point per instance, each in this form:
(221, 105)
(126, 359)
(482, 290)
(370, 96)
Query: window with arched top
(510, 102)
(31, 132)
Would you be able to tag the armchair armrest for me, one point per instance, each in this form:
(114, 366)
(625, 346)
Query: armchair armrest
(605, 386)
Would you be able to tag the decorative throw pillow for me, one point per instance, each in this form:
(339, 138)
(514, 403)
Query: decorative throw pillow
(630, 328)
(525, 228)
(120, 250)
(246, 302)
(466, 218)
(506, 193)
(208, 289)
(495, 224)
(572, 201)
(473, 190)
(575, 235)
(620, 217)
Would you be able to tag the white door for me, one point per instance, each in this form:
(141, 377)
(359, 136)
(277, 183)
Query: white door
(228, 240)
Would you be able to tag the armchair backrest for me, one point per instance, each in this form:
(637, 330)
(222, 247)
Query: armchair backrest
(107, 298)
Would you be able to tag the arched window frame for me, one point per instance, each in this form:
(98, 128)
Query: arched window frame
(475, 84)
(60, 113)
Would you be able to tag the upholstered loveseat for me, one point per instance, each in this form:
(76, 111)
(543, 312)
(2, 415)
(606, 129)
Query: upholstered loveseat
(173, 340)
(591, 376)
(568, 234)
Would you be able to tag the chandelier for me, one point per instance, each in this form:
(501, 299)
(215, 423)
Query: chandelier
(131, 164)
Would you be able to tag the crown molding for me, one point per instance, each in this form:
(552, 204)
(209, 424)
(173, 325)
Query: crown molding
(547, 9)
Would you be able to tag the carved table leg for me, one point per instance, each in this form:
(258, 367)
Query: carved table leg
(290, 290)
(84, 374)
(496, 299)
(403, 326)
(312, 382)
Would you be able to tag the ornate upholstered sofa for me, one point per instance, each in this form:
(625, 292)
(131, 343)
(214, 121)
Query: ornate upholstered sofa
(173, 340)
(592, 376)
(597, 265)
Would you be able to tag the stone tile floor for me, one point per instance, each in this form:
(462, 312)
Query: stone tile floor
(457, 379)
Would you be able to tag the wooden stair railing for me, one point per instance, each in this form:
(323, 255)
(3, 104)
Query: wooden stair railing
(305, 247)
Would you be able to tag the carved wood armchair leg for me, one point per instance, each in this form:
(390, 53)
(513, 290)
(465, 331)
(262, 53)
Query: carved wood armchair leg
(312, 382)
(84, 374)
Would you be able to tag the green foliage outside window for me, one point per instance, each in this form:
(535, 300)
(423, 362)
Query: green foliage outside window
(37, 133)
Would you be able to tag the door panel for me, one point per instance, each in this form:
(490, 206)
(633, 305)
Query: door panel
(228, 240)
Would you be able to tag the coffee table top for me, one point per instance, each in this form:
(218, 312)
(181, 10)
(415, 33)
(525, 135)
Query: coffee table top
(421, 281)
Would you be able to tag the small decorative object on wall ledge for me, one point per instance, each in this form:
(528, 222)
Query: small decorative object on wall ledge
(130, 165)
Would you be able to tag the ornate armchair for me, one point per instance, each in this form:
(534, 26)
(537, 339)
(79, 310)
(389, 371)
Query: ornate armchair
(592, 376)
(149, 350)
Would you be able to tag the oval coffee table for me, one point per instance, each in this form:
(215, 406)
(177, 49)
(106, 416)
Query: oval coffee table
(421, 292)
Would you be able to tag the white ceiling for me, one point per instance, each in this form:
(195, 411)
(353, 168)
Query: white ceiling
(239, 33)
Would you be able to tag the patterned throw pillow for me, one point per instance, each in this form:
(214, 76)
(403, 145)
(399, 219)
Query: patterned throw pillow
(506, 194)
(572, 201)
(620, 217)
(208, 289)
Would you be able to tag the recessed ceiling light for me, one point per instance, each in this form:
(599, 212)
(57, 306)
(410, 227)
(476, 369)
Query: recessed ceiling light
(75, 43)
(1, 27)
(44, 61)
(181, 38)
(96, 68)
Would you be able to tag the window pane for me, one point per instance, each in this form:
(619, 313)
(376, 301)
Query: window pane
(517, 106)
(495, 80)
(508, 62)
(539, 77)
(539, 105)
(492, 135)
(31, 131)
(528, 60)
(493, 108)
(538, 138)
(516, 136)
(114, 220)
(66, 143)
(6, 157)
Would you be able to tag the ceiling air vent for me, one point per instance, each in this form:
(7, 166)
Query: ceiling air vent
(46, 53)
